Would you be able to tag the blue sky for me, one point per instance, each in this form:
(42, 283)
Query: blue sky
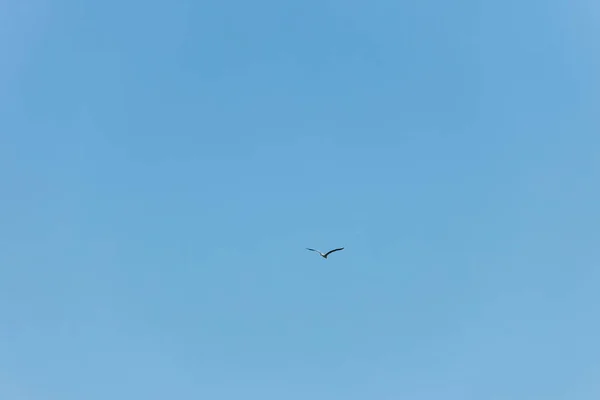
(165, 164)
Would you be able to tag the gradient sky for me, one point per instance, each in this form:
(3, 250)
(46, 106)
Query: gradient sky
(165, 164)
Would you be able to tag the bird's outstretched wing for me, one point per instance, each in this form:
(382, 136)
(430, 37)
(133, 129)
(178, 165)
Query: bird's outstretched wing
(331, 251)
(314, 250)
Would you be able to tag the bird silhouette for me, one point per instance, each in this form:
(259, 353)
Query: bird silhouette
(326, 254)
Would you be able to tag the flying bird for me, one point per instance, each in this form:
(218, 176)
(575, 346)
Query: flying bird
(326, 254)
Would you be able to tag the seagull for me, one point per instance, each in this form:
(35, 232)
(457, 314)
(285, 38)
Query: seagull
(326, 254)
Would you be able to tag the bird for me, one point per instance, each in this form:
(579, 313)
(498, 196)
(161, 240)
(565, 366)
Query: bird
(326, 254)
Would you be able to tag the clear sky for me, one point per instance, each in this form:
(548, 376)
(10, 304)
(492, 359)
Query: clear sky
(165, 164)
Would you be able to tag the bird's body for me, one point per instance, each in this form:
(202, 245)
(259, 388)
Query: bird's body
(324, 255)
